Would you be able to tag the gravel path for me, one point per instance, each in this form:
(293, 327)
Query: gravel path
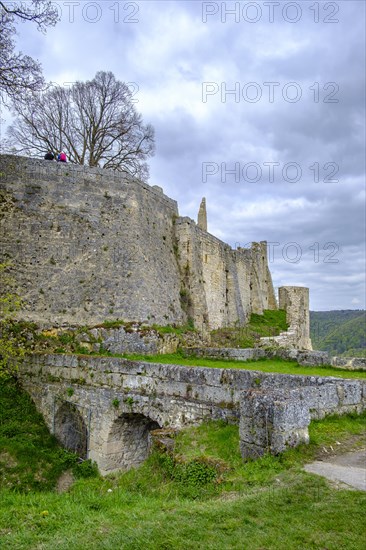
(348, 468)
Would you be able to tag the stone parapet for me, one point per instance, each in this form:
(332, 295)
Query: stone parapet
(305, 358)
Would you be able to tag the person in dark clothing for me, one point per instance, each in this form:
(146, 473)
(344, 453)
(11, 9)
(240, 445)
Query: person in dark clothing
(49, 156)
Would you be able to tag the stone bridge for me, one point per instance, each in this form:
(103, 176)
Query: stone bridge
(104, 408)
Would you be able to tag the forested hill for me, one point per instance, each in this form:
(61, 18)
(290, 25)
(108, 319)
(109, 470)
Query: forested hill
(340, 332)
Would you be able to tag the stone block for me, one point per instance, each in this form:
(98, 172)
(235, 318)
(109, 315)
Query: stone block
(349, 393)
(313, 358)
(349, 363)
(272, 421)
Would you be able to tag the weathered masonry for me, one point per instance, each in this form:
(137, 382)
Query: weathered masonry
(104, 408)
(89, 244)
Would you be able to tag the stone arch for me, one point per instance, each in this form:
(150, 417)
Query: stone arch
(129, 442)
(70, 429)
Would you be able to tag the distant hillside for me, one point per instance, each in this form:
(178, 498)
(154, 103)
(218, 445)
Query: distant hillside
(340, 332)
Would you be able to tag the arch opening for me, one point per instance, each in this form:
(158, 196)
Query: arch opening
(70, 429)
(129, 442)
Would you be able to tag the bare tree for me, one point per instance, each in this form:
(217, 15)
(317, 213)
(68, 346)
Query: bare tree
(95, 122)
(20, 73)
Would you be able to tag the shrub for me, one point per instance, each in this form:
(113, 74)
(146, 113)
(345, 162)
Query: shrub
(85, 469)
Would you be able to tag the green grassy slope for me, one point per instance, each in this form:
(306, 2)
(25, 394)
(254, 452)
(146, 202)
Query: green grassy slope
(30, 457)
(271, 323)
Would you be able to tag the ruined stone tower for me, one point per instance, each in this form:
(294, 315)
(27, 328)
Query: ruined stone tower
(295, 301)
(202, 215)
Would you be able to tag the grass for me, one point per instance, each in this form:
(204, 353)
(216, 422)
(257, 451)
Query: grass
(200, 497)
(174, 329)
(271, 323)
(274, 365)
(304, 517)
(229, 526)
(30, 457)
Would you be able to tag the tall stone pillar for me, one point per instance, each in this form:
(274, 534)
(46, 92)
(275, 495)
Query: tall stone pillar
(295, 301)
(202, 215)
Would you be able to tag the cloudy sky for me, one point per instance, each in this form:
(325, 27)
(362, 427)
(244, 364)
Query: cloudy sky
(258, 106)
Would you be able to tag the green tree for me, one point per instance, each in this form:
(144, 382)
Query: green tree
(339, 331)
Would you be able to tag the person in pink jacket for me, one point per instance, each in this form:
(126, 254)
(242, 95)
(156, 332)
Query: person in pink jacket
(62, 157)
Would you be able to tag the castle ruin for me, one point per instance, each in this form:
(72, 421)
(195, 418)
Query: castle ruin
(88, 244)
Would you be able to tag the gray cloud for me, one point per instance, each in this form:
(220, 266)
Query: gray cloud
(170, 52)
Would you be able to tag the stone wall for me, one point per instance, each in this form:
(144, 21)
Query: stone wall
(135, 339)
(116, 402)
(221, 286)
(89, 244)
(232, 354)
(349, 363)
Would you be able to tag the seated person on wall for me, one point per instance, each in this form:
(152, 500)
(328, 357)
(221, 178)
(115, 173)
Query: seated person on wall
(49, 156)
(61, 157)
